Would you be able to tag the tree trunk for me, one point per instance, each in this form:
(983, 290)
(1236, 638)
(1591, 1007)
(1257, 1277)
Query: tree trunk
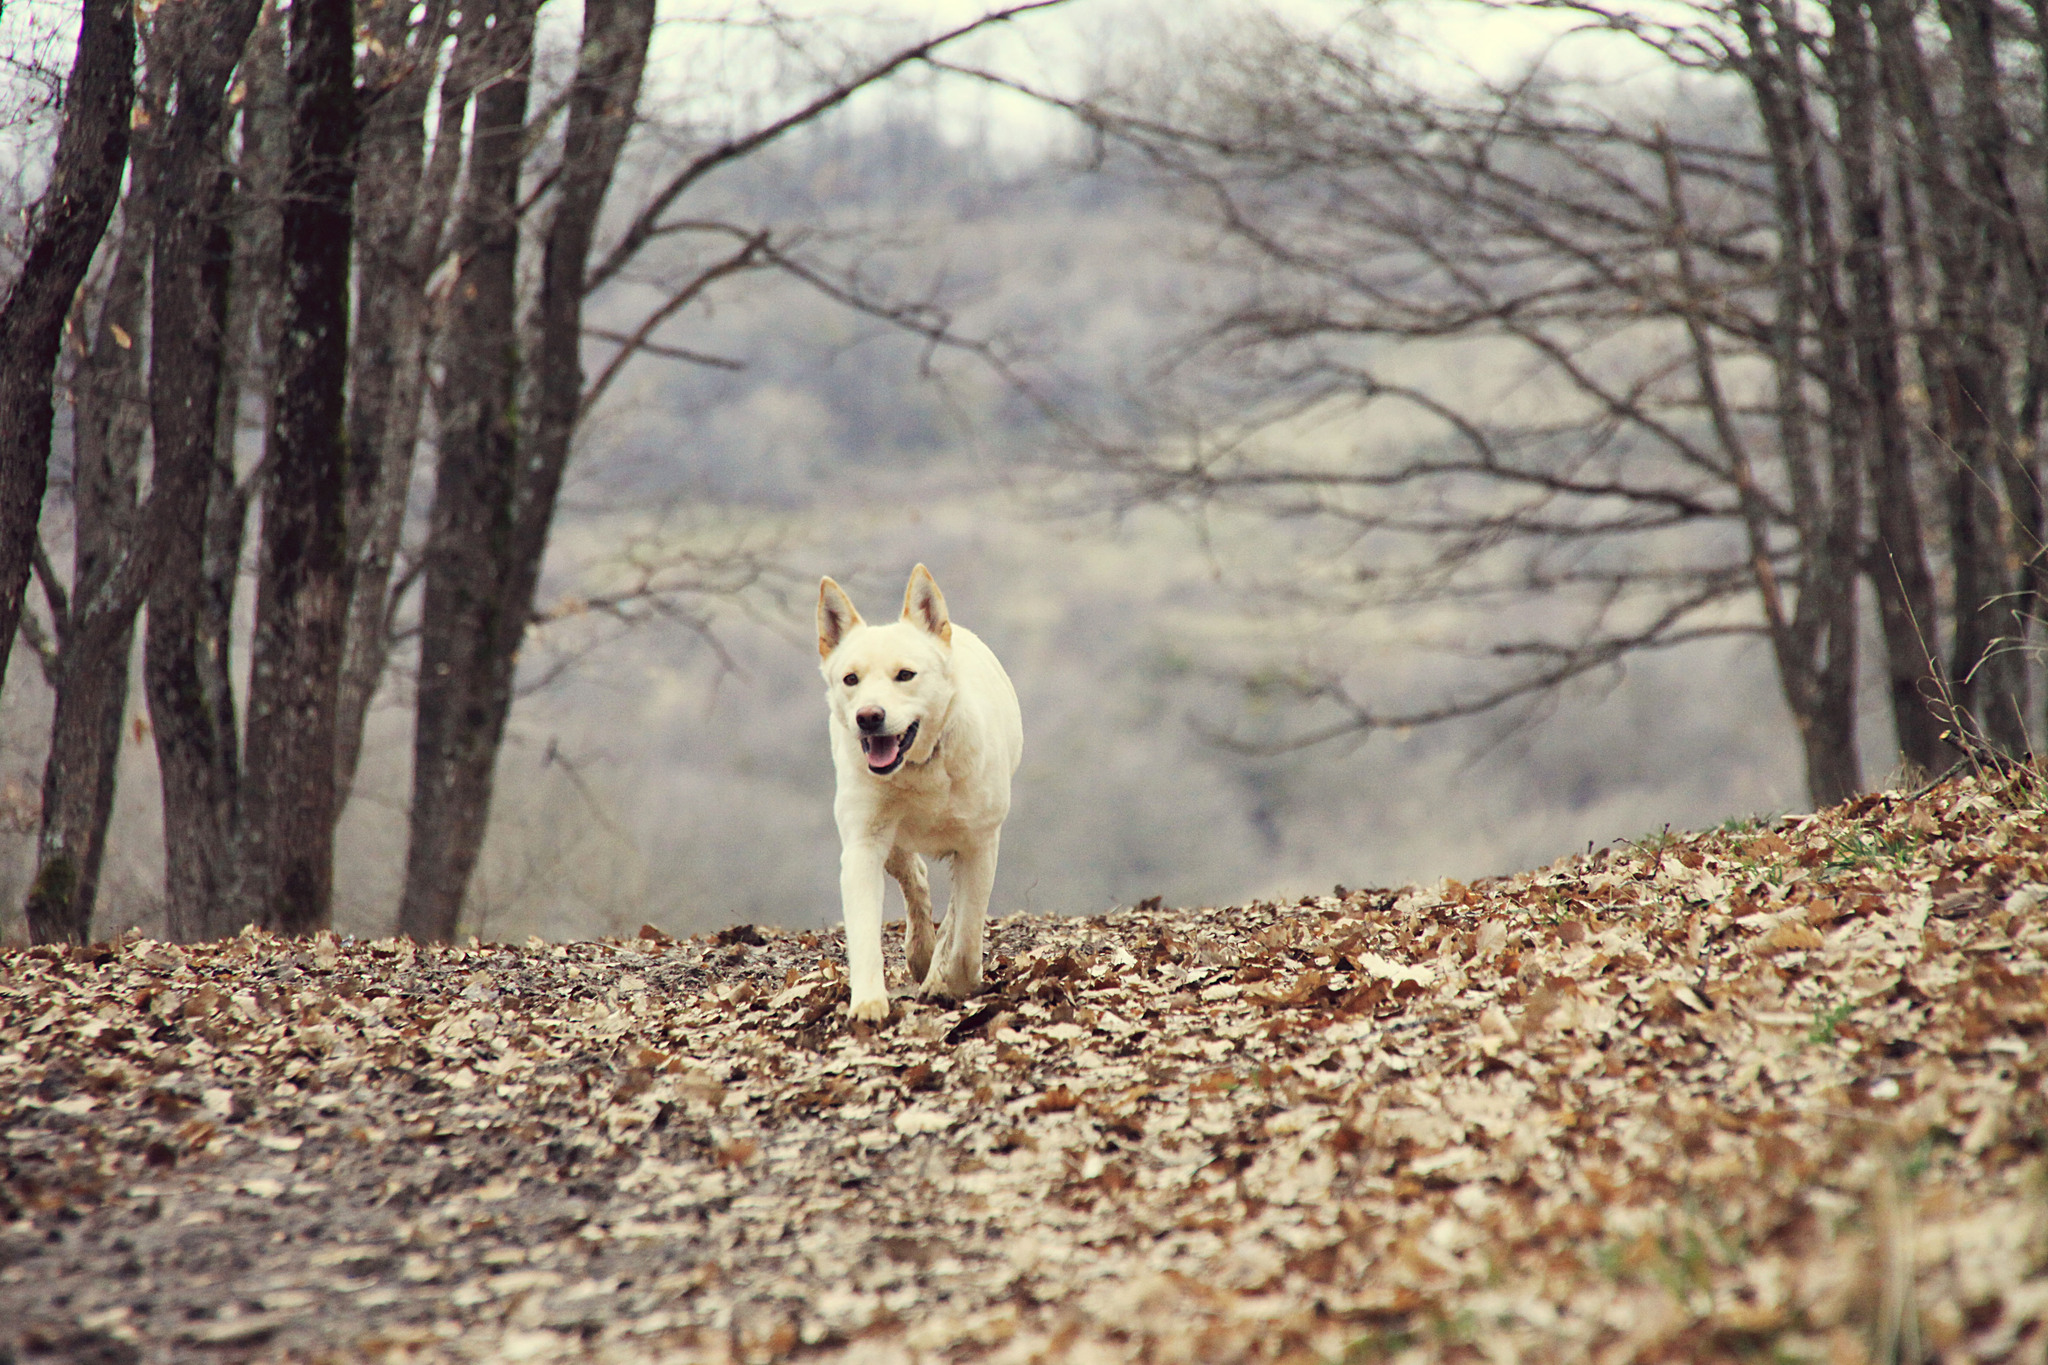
(1874, 403)
(1817, 663)
(191, 706)
(1816, 650)
(2027, 469)
(2005, 273)
(466, 645)
(185, 650)
(402, 202)
(97, 637)
(286, 806)
(69, 220)
(1819, 697)
(601, 104)
(496, 488)
(78, 780)
(1921, 688)
(1975, 553)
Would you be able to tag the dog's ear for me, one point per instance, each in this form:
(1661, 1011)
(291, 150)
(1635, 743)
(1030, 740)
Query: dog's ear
(925, 606)
(836, 616)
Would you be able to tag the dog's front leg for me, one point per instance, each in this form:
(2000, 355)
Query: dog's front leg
(908, 870)
(956, 964)
(860, 899)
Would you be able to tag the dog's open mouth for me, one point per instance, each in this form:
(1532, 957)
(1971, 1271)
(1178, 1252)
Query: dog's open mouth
(887, 752)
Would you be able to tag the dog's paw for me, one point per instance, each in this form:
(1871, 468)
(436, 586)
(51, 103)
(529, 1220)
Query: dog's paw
(871, 1011)
(954, 985)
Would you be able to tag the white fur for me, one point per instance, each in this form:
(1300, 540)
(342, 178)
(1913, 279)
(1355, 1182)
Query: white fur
(947, 798)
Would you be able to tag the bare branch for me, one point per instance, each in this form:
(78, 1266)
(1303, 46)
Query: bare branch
(646, 223)
(53, 590)
(752, 255)
(716, 362)
(47, 649)
(935, 325)
(1565, 663)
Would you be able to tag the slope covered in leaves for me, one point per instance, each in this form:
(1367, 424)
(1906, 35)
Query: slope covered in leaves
(1773, 1092)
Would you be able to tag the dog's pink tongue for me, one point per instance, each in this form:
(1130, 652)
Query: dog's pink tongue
(882, 750)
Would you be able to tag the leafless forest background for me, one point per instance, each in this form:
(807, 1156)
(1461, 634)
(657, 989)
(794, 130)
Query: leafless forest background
(1369, 469)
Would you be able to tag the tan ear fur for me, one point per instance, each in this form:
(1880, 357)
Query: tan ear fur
(925, 606)
(836, 616)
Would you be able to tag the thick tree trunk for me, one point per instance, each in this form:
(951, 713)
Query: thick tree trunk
(98, 635)
(286, 810)
(85, 184)
(185, 648)
(495, 501)
(191, 704)
(1827, 743)
(467, 647)
(78, 781)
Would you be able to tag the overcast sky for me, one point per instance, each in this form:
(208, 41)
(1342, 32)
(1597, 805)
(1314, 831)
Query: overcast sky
(1058, 47)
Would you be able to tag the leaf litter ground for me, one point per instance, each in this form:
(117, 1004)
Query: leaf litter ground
(1773, 1092)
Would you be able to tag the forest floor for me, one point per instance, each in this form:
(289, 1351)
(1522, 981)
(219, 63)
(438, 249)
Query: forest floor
(1772, 1092)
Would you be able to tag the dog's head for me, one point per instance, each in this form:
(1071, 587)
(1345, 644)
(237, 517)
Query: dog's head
(891, 686)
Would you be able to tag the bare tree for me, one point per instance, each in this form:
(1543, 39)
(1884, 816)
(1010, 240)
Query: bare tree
(240, 844)
(169, 281)
(65, 230)
(501, 461)
(1856, 327)
(1527, 242)
(88, 664)
(1642, 388)
(187, 640)
(286, 801)
(1963, 167)
(252, 210)
(402, 203)
(470, 633)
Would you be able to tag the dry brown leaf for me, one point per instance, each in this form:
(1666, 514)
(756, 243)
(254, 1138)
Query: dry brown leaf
(1594, 1111)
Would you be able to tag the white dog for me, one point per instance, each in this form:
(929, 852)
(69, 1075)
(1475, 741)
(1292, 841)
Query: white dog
(926, 734)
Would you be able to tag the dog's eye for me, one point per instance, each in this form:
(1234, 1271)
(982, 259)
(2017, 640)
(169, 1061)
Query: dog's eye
(904, 675)
(851, 679)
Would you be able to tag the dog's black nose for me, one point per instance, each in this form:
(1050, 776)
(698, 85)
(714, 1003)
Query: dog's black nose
(870, 718)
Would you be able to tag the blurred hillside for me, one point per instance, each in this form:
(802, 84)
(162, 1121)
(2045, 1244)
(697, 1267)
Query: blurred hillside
(670, 766)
